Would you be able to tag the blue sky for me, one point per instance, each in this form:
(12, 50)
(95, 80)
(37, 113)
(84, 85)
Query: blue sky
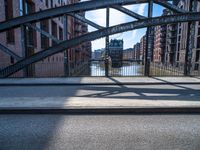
(116, 17)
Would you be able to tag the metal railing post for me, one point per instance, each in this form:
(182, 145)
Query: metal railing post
(107, 53)
(24, 40)
(190, 40)
(66, 57)
(148, 41)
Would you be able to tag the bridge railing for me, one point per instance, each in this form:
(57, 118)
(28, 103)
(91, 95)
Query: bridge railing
(97, 68)
(166, 69)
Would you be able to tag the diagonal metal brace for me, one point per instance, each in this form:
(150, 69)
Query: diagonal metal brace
(170, 6)
(83, 19)
(128, 12)
(96, 35)
(9, 52)
(43, 32)
(77, 7)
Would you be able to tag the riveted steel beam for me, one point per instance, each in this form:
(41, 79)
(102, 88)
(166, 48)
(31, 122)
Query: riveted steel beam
(77, 7)
(128, 12)
(58, 11)
(170, 6)
(9, 52)
(190, 40)
(98, 34)
(54, 38)
(43, 32)
(107, 46)
(148, 50)
(83, 19)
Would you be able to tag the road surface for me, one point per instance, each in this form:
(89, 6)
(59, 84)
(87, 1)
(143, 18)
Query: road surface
(100, 96)
(99, 132)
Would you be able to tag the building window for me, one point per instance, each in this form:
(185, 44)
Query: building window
(198, 42)
(197, 56)
(196, 67)
(54, 31)
(12, 60)
(179, 38)
(51, 3)
(47, 3)
(21, 7)
(178, 56)
(60, 33)
(31, 33)
(10, 34)
(178, 47)
(44, 25)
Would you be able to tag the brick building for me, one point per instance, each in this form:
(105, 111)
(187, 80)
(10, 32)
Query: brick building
(136, 48)
(116, 52)
(99, 54)
(35, 41)
(128, 54)
(181, 45)
(159, 42)
(142, 48)
(182, 29)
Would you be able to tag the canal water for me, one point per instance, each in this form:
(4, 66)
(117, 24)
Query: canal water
(128, 69)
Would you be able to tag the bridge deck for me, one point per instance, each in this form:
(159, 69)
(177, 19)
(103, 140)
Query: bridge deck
(99, 80)
(185, 92)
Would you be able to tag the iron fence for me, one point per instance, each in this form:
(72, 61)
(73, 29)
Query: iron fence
(195, 69)
(96, 68)
(160, 69)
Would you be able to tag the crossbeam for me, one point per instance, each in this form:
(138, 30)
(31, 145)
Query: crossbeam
(128, 12)
(43, 32)
(83, 19)
(170, 6)
(75, 8)
(9, 52)
(98, 34)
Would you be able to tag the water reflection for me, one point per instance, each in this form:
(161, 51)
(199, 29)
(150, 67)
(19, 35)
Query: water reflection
(128, 69)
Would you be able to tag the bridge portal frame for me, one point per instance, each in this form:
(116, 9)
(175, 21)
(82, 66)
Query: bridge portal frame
(142, 22)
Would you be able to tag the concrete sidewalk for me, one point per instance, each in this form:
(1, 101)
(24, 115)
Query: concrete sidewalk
(100, 98)
(100, 81)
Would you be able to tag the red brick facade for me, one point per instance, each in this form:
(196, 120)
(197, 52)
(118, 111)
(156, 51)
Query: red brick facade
(51, 66)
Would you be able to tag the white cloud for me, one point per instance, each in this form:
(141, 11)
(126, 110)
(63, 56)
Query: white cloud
(116, 17)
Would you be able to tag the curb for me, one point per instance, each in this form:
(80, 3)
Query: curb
(90, 111)
(85, 84)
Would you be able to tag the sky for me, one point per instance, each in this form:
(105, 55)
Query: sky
(116, 17)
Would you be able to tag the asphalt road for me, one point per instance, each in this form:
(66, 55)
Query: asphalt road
(184, 92)
(100, 96)
(99, 132)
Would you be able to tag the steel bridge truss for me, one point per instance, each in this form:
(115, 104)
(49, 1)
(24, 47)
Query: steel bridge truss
(73, 10)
